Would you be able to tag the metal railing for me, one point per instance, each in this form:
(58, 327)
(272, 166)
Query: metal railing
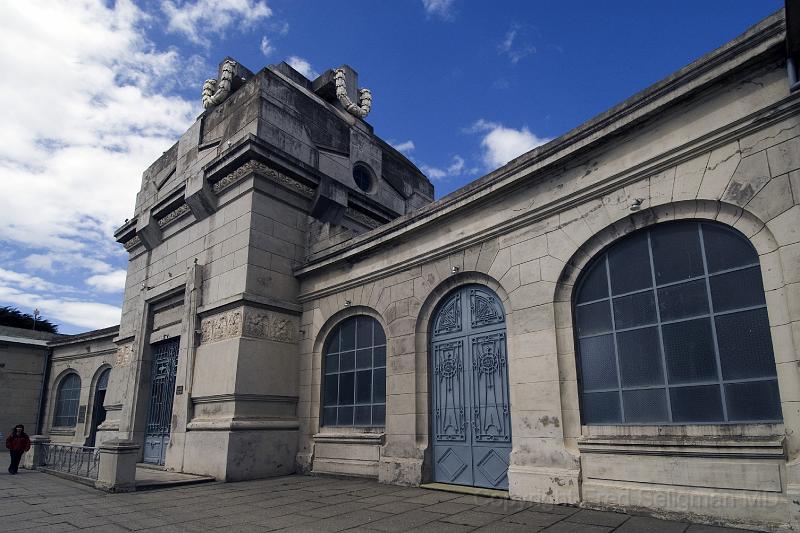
(82, 461)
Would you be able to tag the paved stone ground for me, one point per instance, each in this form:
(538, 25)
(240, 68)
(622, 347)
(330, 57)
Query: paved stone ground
(33, 501)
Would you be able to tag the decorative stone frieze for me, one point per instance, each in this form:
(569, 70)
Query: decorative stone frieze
(245, 322)
(363, 218)
(261, 168)
(132, 243)
(173, 215)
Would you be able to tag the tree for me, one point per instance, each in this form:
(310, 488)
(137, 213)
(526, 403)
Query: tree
(13, 317)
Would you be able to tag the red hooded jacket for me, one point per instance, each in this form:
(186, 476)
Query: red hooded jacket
(18, 443)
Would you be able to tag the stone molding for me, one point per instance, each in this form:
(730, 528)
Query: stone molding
(740, 448)
(264, 170)
(86, 355)
(266, 398)
(247, 322)
(242, 424)
(350, 438)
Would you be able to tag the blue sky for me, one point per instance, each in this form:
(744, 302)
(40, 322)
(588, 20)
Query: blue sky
(100, 89)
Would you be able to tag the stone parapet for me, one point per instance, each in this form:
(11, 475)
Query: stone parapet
(33, 458)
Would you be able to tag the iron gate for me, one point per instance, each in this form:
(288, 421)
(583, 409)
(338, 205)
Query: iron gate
(162, 391)
(470, 402)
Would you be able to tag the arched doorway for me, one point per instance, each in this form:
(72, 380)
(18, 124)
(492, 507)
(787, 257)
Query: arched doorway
(98, 411)
(470, 411)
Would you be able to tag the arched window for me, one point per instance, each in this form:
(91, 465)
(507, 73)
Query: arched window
(671, 328)
(102, 381)
(67, 400)
(354, 385)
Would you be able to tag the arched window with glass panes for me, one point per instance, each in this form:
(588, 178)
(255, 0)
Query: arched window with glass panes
(67, 400)
(354, 384)
(671, 327)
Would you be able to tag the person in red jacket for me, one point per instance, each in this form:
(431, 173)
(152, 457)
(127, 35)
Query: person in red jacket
(17, 443)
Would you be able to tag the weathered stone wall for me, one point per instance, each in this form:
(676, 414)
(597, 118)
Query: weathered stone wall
(717, 143)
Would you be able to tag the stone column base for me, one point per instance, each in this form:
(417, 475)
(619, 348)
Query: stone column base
(117, 470)
(241, 454)
(400, 471)
(33, 457)
(544, 485)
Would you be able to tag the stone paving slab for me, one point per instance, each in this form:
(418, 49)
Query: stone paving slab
(34, 501)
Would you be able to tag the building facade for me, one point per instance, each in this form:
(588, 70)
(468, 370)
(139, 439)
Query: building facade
(611, 319)
(23, 364)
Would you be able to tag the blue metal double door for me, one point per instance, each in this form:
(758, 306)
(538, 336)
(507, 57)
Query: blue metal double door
(470, 418)
(162, 392)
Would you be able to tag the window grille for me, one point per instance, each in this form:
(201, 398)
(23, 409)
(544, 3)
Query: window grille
(67, 400)
(671, 328)
(354, 385)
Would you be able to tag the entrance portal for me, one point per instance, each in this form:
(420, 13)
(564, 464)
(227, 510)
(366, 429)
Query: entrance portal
(471, 421)
(162, 391)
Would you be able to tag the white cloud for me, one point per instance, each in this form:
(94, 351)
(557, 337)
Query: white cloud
(87, 110)
(91, 123)
(502, 144)
(195, 20)
(455, 168)
(110, 282)
(51, 262)
(85, 314)
(404, 147)
(266, 46)
(513, 48)
(302, 66)
(24, 281)
(440, 8)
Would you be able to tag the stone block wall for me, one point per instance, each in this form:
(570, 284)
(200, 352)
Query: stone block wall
(725, 152)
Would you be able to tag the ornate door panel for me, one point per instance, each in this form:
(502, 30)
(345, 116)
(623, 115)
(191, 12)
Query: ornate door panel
(162, 392)
(471, 422)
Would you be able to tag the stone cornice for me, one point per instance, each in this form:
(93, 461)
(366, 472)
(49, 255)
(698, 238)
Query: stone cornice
(87, 355)
(366, 244)
(234, 397)
(242, 424)
(763, 39)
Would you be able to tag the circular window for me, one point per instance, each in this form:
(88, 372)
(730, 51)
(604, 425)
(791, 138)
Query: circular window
(363, 177)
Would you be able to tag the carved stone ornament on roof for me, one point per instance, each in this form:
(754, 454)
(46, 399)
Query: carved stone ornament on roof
(216, 91)
(364, 105)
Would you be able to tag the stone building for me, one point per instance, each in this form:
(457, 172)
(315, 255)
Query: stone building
(23, 364)
(611, 319)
